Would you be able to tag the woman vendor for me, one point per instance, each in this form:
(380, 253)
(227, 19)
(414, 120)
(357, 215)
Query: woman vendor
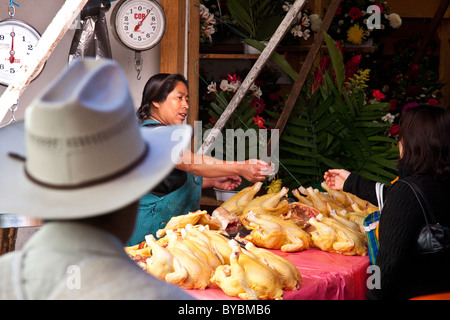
(165, 102)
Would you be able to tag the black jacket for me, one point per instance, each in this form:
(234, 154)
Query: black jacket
(404, 273)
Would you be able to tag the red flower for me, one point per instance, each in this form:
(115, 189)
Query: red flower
(259, 122)
(413, 91)
(258, 104)
(393, 103)
(274, 97)
(339, 9)
(352, 66)
(394, 130)
(212, 120)
(379, 5)
(433, 102)
(378, 94)
(355, 13)
(234, 78)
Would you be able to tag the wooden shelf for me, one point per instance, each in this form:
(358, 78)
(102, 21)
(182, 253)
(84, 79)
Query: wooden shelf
(228, 56)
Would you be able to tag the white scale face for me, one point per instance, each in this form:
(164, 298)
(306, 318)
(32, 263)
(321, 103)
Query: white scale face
(17, 42)
(139, 24)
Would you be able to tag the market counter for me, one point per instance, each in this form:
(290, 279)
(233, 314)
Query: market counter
(325, 276)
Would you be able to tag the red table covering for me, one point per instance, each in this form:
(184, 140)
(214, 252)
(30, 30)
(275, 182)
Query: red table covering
(325, 276)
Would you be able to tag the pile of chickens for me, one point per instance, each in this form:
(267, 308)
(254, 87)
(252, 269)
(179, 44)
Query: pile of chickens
(228, 248)
(196, 257)
(330, 221)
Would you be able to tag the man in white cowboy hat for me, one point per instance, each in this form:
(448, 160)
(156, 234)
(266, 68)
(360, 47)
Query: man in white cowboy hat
(86, 164)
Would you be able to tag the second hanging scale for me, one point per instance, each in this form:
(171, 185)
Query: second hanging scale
(138, 25)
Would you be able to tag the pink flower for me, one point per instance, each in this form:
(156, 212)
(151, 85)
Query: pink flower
(354, 13)
(259, 122)
(378, 94)
(258, 104)
(410, 105)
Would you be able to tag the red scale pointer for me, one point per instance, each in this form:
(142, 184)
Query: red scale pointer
(142, 21)
(12, 52)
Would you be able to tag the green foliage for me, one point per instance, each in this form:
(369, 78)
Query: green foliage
(331, 127)
(256, 18)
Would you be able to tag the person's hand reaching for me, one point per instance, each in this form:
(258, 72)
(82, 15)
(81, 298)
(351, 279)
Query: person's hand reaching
(335, 178)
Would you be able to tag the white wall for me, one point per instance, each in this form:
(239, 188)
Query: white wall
(39, 13)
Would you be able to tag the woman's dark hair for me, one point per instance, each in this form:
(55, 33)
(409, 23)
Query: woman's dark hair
(157, 89)
(424, 132)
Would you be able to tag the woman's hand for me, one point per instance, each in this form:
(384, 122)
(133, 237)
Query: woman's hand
(335, 178)
(224, 183)
(255, 170)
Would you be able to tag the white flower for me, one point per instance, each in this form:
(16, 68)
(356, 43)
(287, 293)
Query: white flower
(388, 118)
(297, 31)
(306, 34)
(316, 22)
(256, 91)
(212, 87)
(394, 20)
(224, 85)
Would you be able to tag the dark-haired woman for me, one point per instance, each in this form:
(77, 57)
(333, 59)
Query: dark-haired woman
(424, 145)
(165, 102)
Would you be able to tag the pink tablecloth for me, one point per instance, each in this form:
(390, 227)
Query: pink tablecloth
(326, 276)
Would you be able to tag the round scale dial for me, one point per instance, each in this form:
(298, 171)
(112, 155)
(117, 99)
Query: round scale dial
(138, 24)
(17, 42)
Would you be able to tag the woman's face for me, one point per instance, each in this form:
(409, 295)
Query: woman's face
(174, 109)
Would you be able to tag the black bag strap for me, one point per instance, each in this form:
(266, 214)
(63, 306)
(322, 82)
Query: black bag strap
(417, 191)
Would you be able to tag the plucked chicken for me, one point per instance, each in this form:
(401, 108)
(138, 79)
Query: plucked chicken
(183, 220)
(290, 277)
(237, 203)
(247, 278)
(161, 261)
(272, 232)
(186, 261)
(271, 203)
(334, 236)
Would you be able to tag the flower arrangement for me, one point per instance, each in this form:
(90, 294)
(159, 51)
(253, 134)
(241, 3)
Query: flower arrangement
(304, 24)
(251, 105)
(354, 23)
(207, 25)
(337, 122)
(404, 84)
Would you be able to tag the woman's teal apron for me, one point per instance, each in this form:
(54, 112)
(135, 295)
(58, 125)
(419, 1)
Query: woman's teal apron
(154, 211)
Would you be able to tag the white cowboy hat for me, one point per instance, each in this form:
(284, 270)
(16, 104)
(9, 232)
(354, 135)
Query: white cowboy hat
(85, 154)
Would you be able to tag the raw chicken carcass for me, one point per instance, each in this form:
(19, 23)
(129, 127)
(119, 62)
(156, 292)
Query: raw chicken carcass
(275, 233)
(161, 261)
(324, 236)
(227, 219)
(300, 213)
(181, 221)
(291, 278)
(247, 277)
(240, 200)
(346, 241)
(269, 203)
(186, 261)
